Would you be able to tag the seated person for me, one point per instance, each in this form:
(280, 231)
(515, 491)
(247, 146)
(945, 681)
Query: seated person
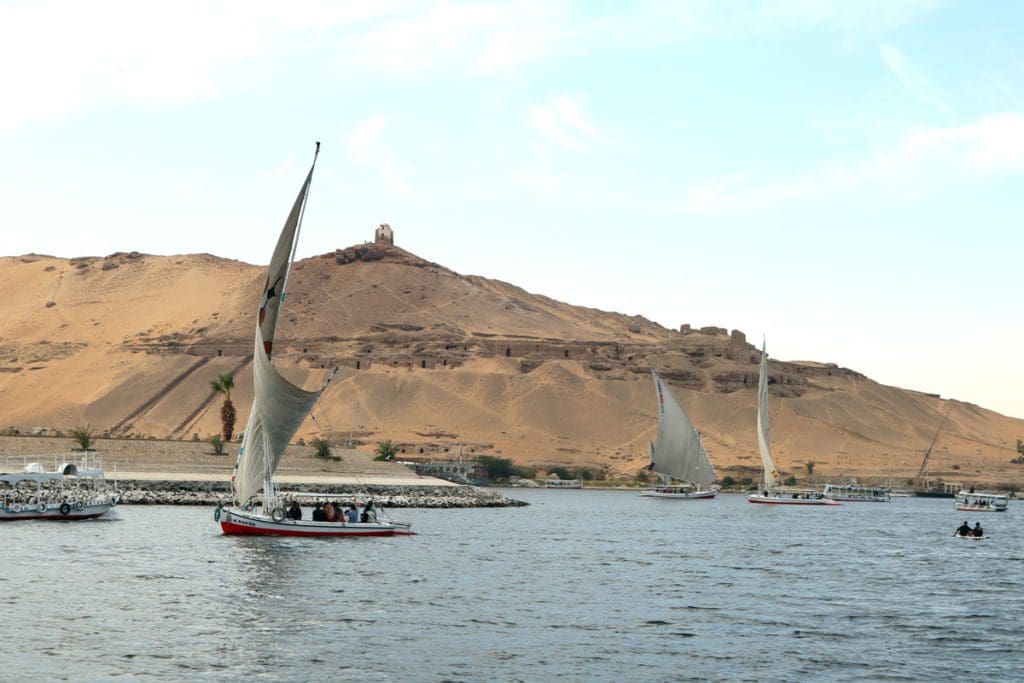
(978, 531)
(369, 514)
(318, 513)
(294, 511)
(964, 529)
(330, 513)
(352, 515)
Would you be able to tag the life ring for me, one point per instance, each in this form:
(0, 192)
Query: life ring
(277, 514)
(216, 513)
(16, 507)
(79, 505)
(65, 509)
(41, 507)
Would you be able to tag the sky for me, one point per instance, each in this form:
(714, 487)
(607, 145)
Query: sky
(845, 179)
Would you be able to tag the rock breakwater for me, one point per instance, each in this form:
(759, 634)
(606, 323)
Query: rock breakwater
(138, 492)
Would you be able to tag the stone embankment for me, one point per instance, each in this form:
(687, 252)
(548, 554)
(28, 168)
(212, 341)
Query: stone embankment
(155, 492)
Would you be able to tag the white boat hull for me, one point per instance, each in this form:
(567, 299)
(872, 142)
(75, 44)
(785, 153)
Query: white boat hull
(235, 522)
(54, 511)
(678, 495)
(980, 508)
(783, 500)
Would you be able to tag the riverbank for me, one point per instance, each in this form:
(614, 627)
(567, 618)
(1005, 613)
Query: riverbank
(166, 472)
(157, 490)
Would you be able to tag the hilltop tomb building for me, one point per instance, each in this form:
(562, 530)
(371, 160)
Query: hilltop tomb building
(384, 235)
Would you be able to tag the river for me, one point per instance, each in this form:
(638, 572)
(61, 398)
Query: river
(582, 585)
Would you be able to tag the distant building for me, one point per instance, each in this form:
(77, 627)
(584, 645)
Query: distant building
(384, 234)
(460, 472)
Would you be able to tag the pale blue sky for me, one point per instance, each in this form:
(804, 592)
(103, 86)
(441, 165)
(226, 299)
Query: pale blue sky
(843, 177)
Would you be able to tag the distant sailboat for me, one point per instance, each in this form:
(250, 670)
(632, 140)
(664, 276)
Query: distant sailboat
(679, 453)
(770, 475)
(278, 410)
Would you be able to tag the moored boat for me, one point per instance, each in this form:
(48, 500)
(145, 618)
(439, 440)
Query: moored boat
(69, 491)
(851, 493)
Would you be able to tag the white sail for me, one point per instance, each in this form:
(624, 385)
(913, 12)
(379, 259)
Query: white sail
(771, 475)
(278, 407)
(679, 452)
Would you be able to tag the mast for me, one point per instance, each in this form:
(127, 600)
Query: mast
(927, 453)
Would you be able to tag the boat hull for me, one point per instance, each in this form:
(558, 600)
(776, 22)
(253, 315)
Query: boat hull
(243, 523)
(980, 508)
(776, 500)
(680, 495)
(53, 512)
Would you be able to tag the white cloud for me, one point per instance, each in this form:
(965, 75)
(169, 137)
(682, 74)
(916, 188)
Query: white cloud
(61, 57)
(924, 161)
(563, 121)
(368, 150)
(464, 38)
(919, 85)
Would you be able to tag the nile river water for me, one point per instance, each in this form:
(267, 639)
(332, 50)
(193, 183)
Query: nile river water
(580, 585)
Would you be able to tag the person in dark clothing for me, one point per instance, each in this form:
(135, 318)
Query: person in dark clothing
(294, 511)
(369, 514)
(978, 531)
(964, 529)
(318, 513)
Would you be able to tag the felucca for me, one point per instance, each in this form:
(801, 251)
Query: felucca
(278, 410)
(770, 494)
(679, 453)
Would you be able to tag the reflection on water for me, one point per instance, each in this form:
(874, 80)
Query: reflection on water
(588, 585)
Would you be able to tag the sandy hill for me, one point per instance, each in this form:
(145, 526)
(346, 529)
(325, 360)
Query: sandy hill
(438, 361)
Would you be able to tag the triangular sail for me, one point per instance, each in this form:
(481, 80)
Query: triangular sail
(278, 407)
(679, 452)
(771, 475)
(280, 264)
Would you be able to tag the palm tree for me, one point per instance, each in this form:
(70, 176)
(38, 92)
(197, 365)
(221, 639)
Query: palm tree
(385, 450)
(810, 467)
(82, 436)
(217, 441)
(223, 385)
(323, 447)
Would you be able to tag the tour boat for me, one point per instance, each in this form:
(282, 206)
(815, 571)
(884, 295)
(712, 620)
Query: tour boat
(679, 453)
(278, 410)
(770, 494)
(858, 494)
(969, 501)
(70, 491)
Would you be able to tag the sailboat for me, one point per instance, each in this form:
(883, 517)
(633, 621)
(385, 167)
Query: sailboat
(278, 410)
(679, 453)
(770, 476)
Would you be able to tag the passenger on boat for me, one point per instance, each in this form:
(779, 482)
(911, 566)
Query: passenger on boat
(318, 513)
(978, 531)
(330, 513)
(352, 515)
(964, 529)
(369, 513)
(294, 511)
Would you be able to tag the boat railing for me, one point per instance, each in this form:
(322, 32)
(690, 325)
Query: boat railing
(86, 463)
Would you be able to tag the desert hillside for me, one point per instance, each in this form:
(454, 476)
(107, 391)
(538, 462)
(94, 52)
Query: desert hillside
(438, 362)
